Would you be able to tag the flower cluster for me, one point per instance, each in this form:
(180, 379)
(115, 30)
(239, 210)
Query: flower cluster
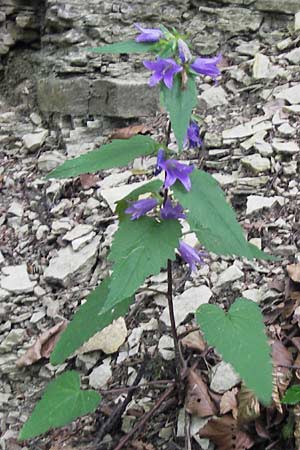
(174, 170)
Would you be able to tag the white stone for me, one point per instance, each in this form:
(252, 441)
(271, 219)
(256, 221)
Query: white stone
(2, 259)
(187, 303)
(165, 346)
(33, 141)
(264, 148)
(4, 295)
(261, 66)
(16, 209)
(61, 225)
(77, 232)
(14, 338)
(100, 375)
(69, 264)
(248, 48)
(214, 96)
(252, 294)
(223, 378)
(256, 163)
(286, 129)
(134, 339)
(289, 148)
(293, 56)
(292, 94)
(297, 21)
(257, 202)
(109, 340)
(225, 179)
(50, 160)
(115, 179)
(79, 243)
(16, 280)
(229, 275)
(35, 119)
(238, 132)
(294, 110)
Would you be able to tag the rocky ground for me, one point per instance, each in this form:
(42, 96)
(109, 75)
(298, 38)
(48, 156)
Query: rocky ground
(55, 236)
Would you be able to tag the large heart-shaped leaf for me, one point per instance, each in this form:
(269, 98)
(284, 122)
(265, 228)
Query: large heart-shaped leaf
(62, 402)
(239, 335)
(90, 318)
(213, 219)
(140, 248)
(118, 153)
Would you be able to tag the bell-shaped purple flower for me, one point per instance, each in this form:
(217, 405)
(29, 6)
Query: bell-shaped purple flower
(170, 211)
(190, 255)
(163, 70)
(148, 34)
(184, 51)
(207, 66)
(141, 207)
(175, 171)
(193, 139)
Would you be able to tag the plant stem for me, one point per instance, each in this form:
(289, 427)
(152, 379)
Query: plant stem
(178, 355)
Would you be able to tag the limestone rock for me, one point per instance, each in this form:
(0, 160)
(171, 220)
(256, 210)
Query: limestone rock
(288, 148)
(109, 340)
(187, 303)
(69, 264)
(223, 378)
(257, 202)
(100, 375)
(77, 232)
(261, 66)
(281, 6)
(297, 21)
(256, 163)
(14, 338)
(34, 141)
(50, 160)
(229, 275)
(294, 55)
(292, 94)
(16, 280)
(165, 346)
(214, 96)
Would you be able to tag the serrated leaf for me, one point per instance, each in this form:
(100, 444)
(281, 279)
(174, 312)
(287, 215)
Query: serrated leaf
(90, 318)
(213, 219)
(179, 103)
(292, 395)
(118, 153)
(140, 248)
(152, 187)
(129, 46)
(239, 335)
(62, 402)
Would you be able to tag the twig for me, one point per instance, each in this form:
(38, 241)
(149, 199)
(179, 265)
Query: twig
(140, 425)
(158, 383)
(120, 408)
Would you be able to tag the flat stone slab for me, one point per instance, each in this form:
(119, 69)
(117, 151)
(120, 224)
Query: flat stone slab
(69, 264)
(292, 94)
(15, 279)
(257, 202)
(256, 163)
(288, 147)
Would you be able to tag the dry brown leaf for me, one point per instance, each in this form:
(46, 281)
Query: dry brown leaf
(194, 341)
(281, 374)
(226, 435)
(88, 180)
(249, 408)
(43, 346)
(128, 132)
(294, 272)
(197, 400)
(229, 402)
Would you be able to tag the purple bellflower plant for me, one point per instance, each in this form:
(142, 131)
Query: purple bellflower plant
(148, 34)
(190, 255)
(207, 66)
(193, 139)
(170, 211)
(163, 70)
(174, 171)
(141, 207)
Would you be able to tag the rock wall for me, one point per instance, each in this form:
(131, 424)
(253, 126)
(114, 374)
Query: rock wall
(68, 81)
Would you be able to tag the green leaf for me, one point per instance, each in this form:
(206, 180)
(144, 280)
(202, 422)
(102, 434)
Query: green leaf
(180, 103)
(62, 402)
(152, 187)
(213, 219)
(118, 153)
(140, 248)
(239, 335)
(292, 395)
(130, 46)
(90, 318)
